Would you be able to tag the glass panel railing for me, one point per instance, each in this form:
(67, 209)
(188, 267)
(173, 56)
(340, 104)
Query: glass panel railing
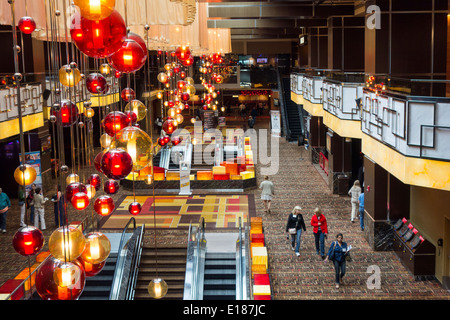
(195, 263)
(128, 256)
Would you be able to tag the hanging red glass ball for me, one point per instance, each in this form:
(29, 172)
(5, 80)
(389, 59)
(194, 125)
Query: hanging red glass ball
(96, 83)
(132, 117)
(134, 208)
(183, 52)
(28, 241)
(166, 139)
(205, 107)
(91, 269)
(80, 200)
(117, 164)
(129, 58)
(98, 162)
(94, 179)
(111, 186)
(49, 289)
(181, 84)
(168, 126)
(104, 205)
(67, 114)
(27, 25)
(189, 61)
(98, 39)
(114, 122)
(177, 140)
(186, 106)
(140, 41)
(185, 96)
(74, 188)
(117, 74)
(128, 94)
(161, 142)
(182, 74)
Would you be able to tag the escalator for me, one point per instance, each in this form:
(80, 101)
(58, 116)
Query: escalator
(99, 286)
(293, 113)
(220, 276)
(217, 267)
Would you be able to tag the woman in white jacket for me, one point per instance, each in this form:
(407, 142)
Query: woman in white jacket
(355, 191)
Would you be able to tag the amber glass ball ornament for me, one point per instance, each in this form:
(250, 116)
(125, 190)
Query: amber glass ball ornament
(98, 248)
(28, 240)
(25, 174)
(138, 145)
(157, 288)
(68, 76)
(138, 108)
(95, 9)
(66, 243)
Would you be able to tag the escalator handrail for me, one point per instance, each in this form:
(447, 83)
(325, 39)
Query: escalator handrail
(117, 278)
(135, 265)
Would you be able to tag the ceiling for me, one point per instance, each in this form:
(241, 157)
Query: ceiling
(272, 19)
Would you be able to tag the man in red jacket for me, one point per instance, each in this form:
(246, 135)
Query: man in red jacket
(320, 230)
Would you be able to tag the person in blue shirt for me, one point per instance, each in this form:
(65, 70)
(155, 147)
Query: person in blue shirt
(361, 210)
(5, 204)
(337, 253)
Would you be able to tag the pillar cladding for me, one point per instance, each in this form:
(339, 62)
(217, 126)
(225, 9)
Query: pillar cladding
(406, 38)
(339, 163)
(377, 230)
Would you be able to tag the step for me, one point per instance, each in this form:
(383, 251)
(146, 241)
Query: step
(219, 294)
(220, 255)
(220, 284)
(219, 274)
(168, 296)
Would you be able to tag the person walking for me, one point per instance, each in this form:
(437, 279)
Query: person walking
(58, 203)
(294, 227)
(5, 204)
(21, 196)
(320, 230)
(361, 210)
(337, 253)
(30, 201)
(39, 202)
(267, 193)
(354, 192)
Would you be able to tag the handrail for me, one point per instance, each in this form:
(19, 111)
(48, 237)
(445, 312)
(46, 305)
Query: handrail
(239, 273)
(323, 161)
(32, 288)
(285, 128)
(131, 288)
(117, 278)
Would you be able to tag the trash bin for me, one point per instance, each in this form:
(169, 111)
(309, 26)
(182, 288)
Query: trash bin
(343, 184)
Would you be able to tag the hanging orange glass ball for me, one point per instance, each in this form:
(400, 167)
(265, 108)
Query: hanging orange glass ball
(95, 9)
(27, 25)
(98, 38)
(104, 205)
(28, 241)
(68, 76)
(48, 288)
(66, 243)
(129, 58)
(25, 174)
(98, 248)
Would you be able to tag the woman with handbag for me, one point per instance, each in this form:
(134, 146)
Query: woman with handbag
(338, 253)
(294, 227)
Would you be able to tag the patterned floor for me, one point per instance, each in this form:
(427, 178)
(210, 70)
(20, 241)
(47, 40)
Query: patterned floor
(218, 211)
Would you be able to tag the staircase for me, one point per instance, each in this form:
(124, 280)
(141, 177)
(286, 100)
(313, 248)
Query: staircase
(220, 276)
(292, 112)
(171, 268)
(99, 286)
